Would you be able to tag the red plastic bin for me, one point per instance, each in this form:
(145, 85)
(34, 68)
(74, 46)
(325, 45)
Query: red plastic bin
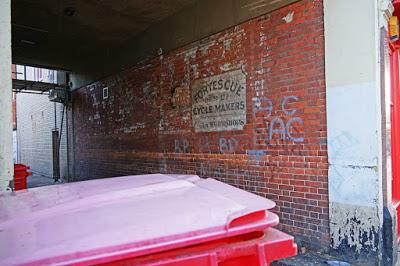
(260, 248)
(20, 175)
(141, 220)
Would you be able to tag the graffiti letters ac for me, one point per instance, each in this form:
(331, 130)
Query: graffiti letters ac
(286, 126)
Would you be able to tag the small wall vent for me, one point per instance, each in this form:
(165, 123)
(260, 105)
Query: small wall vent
(105, 93)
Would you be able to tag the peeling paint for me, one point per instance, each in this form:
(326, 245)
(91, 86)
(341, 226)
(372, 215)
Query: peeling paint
(226, 67)
(96, 116)
(134, 128)
(195, 72)
(206, 46)
(227, 44)
(190, 54)
(263, 38)
(95, 102)
(355, 226)
(161, 124)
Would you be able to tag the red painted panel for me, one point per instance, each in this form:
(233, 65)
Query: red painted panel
(395, 129)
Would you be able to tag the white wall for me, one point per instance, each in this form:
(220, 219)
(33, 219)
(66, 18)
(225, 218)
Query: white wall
(354, 116)
(15, 147)
(35, 122)
(6, 163)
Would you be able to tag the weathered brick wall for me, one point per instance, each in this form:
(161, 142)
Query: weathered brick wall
(145, 126)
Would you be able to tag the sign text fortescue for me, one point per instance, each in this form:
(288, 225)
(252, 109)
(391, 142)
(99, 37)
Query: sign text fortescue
(219, 102)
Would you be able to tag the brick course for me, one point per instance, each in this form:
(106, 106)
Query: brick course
(280, 154)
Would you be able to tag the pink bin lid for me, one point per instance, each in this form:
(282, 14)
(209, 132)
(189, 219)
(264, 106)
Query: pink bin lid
(98, 220)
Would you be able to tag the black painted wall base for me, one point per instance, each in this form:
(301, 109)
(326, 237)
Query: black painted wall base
(348, 254)
(386, 240)
(390, 244)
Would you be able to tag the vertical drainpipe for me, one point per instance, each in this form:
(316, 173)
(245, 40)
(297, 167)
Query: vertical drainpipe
(68, 105)
(55, 115)
(67, 138)
(73, 139)
(55, 146)
(6, 146)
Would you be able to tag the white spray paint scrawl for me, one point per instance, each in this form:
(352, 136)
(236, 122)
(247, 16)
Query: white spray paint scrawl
(289, 17)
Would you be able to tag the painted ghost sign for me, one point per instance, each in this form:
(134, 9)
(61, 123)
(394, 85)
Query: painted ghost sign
(219, 102)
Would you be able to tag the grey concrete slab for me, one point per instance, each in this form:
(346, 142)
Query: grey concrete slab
(36, 180)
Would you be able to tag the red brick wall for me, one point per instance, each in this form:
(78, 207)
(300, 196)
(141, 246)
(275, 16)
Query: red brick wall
(139, 130)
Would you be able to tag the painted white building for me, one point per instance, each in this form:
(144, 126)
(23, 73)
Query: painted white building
(37, 117)
(362, 206)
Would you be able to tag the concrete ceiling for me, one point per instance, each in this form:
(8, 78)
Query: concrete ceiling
(97, 38)
(54, 32)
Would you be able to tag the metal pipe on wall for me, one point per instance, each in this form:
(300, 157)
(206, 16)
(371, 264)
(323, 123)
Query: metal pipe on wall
(68, 150)
(59, 139)
(73, 140)
(55, 145)
(55, 115)
(56, 157)
(68, 104)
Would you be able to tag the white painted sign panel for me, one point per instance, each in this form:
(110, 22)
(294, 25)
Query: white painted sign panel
(219, 102)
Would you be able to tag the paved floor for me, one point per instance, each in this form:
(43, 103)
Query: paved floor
(310, 259)
(36, 180)
(317, 259)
